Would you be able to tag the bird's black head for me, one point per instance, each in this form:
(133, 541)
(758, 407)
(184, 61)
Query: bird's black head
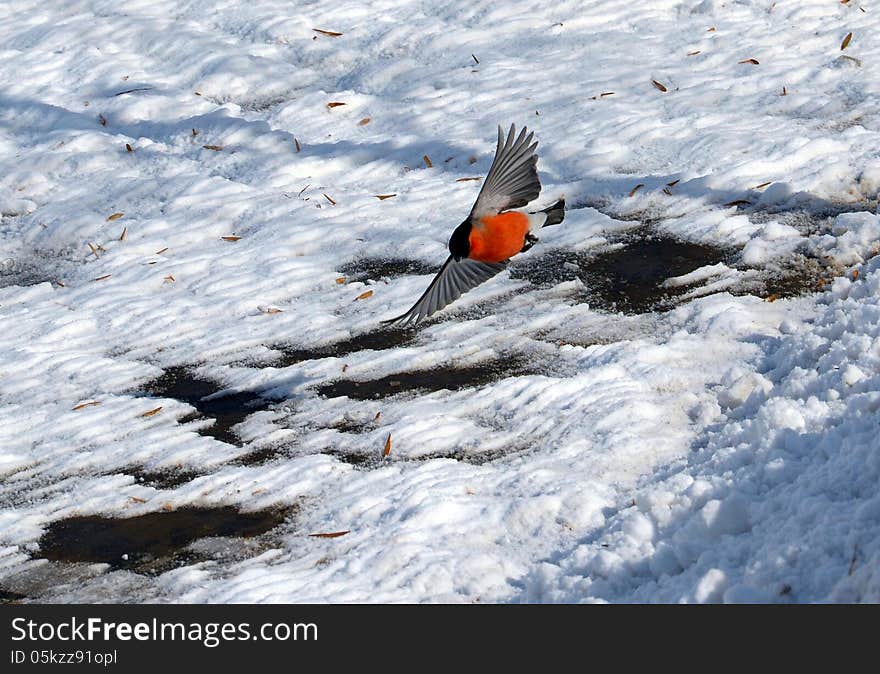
(459, 243)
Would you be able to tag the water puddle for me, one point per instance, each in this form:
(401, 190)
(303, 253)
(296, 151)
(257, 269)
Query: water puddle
(628, 279)
(227, 409)
(260, 456)
(10, 597)
(422, 381)
(153, 542)
(375, 269)
(161, 479)
(378, 340)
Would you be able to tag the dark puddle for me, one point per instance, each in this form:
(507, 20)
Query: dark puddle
(9, 597)
(39, 266)
(14, 273)
(150, 543)
(375, 460)
(627, 279)
(806, 213)
(375, 269)
(421, 381)
(799, 275)
(162, 479)
(260, 456)
(378, 340)
(352, 426)
(226, 410)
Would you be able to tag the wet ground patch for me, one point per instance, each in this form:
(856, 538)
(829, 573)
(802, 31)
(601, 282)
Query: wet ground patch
(794, 276)
(423, 381)
(378, 340)
(628, 278)
(226, 409)
(161, 479)
(260, 456)
(10, 597)
(154, 542)
(807, 213)
(376, 269)
(31, 271)
(374, 460)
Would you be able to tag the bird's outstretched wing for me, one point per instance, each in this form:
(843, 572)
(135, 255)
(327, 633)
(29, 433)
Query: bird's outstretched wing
(512, 181)
(454, 279)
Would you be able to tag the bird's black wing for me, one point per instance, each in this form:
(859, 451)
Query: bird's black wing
(454, 279)
(512, 181)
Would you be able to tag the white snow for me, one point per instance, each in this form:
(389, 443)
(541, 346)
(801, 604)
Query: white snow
(726, 450)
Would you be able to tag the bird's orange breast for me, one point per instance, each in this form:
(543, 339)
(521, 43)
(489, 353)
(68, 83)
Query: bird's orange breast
(496, 238)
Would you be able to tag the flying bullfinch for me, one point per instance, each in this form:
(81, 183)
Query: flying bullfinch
(482, 245)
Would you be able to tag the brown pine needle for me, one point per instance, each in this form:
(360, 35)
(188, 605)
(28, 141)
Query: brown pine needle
(115, 216)
(659, 86)
(124, 232)
(273, 310)
(635, 189)
(754, 62)
(94, 250)
(88, 404)
(231, 237)
(298, 148)
(737, 202)
(159, 252)
(335, 104)
(328, 33)
(152, 412)
(128, 147)
(762, 185)
(383, 197)
(464, 180)
(673, 183)
(427, 160)
(215, 148)
(846, 41)
(364, 121)
(169, 279)
(364, 295)
(694, 53)
(376, 418)
(328, 198)
(334, 534)
(101, 278)
(387, 450)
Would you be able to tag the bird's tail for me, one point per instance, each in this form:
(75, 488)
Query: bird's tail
(555, 213)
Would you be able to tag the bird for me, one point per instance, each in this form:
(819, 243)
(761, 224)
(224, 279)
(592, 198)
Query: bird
(482, 245)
